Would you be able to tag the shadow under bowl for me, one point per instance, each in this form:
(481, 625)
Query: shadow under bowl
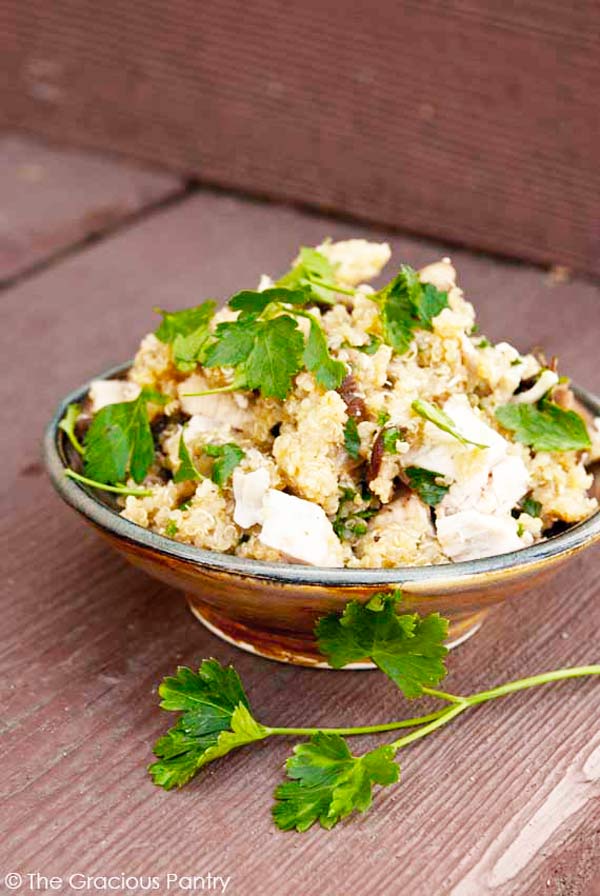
(271, 608)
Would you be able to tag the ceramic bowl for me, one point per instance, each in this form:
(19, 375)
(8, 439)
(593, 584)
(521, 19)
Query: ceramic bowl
(271, 608)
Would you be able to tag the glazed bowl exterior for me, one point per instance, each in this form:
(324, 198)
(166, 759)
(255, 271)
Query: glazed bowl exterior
(271, 608)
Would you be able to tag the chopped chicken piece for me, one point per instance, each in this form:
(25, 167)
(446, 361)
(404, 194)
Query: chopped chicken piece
(496, 490)
(356, 260)
(470, 534)
(103, 392)
(487, 480)
(231, 408)
(201, 425)
(300, 530)
(249, 490)
(546, 380)
(442, 453)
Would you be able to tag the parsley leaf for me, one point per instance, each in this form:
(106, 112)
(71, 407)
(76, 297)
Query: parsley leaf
(328, 372)
(350, 520)
(328, 782)
(68, 423)
(531, 507)
(315, 272)
(233, 342)
(216, 719)
(250, 301)
(545, 426)
(269, 350)
(276, 357)
(430, 303)
(439, 418)
(187, 332)
(406, 305)
(390, 436)
(228, 457)
(351, 437)
(186, 469)
(424, 483)
(119, 440)
(408, 648)
(371, 347)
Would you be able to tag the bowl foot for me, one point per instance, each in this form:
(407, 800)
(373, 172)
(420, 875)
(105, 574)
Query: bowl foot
(301, 651)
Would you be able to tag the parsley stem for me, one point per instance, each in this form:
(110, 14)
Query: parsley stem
(442, 695)
(462, 703)
(366, 729)
(73, 440)
(446, 716)
(118, 489)
(232, 387)
(532, 682)
(345, 291)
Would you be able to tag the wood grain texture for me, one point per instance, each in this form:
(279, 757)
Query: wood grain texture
(51, 199)
(469, 120)
(504, 802)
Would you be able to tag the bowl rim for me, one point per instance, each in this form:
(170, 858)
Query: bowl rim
(82, 499)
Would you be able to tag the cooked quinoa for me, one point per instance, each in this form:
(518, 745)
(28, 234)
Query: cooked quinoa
(362, 474)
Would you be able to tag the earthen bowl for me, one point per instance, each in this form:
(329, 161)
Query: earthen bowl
(271, 609)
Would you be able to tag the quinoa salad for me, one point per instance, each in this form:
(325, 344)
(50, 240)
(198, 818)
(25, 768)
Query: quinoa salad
(318, 420)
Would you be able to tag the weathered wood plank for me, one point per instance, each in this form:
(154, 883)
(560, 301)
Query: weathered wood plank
(504, 802)
(468, 121)
(52, 198)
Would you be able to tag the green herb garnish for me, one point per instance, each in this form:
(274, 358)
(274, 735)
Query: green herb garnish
(390, 436)
(215, 719)
(67, 424)
(439, 418)
(171, 529)
(371, 347)
(227, 457)
(326, 781)
(118, 489)
(425, 484)
(187, 333)
(408, 649)
(266, 347)
(544, 426)
(328, 372)
(313, 271)
(406, 305)
(349, 520)
(119, 441)
(186, 470)
(531, 507)
(351, 438)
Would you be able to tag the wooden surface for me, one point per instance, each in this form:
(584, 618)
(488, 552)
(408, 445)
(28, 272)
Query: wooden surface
(503, 802)
(469, 120)
(51, 200)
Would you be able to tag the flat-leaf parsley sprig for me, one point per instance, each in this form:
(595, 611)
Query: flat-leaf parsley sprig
(117, 445)
(265, 346)
(326, 782)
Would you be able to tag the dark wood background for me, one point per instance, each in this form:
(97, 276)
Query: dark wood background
(502, 803)
(473, 121)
